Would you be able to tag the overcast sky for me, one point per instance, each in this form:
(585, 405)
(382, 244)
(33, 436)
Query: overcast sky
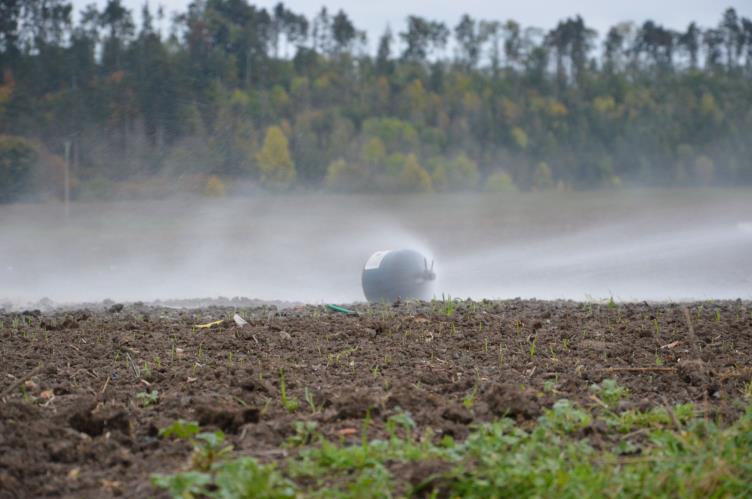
(374, 15)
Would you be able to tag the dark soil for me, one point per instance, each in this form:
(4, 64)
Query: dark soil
(79, 428)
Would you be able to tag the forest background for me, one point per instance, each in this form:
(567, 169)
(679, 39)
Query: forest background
(227, 97)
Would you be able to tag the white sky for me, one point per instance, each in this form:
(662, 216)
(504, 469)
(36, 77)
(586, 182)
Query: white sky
(374, 15)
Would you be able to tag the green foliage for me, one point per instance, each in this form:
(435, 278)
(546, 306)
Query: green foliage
(181, 429)
(469, 400)
(511, 463)
(274, 161)
(656, 418)
(342, 176)
(240, 90)
(543, 177)
(395, 134)
(289, 403)
(147, 398)
(374, 153)
(305, 433)
(193, 155)
(146, 372)
(520, 138)
(414, 178)
(554, 458)
(459, 174)
(183, 485)
(246, 478)
(208, 448)
(308, 396)
(401, 418)
(565, 418)
(17, 158)
(238, 478)
(447, 306)
(500, 182)
(609, 391)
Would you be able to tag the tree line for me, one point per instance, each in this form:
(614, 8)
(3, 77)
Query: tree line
(230, 91)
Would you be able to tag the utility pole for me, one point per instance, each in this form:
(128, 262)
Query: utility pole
(66, 179)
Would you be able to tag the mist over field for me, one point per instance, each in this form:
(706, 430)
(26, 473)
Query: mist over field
(235, 150)
(640, 245)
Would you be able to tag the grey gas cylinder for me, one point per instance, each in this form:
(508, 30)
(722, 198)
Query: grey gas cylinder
(398, 274)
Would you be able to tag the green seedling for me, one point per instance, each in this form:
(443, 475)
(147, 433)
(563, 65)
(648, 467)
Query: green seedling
(334, 359)
(364, 430)
(448, 306)
(25, 395)
(267, 406)
(589, 305)
(609, 391)
(532, 347)
(146, 372)
(305, 433)
(518, 326)
(403, 419)
(611, 303)
(565, 417)
(148, 398)
(182, 429)
(208, 448)
(552, 353)
(469, 400)
(310, 400)
(290, 404)
(655, 418)
(187, 484)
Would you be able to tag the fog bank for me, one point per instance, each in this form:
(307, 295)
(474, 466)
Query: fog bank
(645, 245)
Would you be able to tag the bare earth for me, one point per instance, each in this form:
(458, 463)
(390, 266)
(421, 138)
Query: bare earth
(78, 427)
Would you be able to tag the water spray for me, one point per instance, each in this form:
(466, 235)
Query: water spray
(398, 274)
